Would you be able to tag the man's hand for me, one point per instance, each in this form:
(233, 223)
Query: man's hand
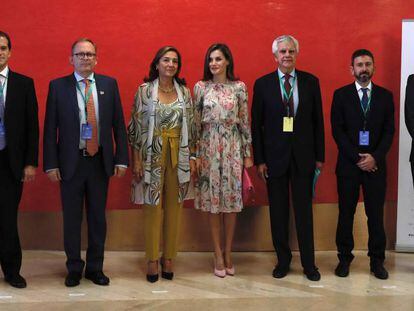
(54, 175)
(119, 171)
(262, 171)
(319, 165)
(367, 162)
(29, 173)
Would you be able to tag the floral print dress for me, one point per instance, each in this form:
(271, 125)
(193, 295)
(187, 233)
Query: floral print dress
(222, 122)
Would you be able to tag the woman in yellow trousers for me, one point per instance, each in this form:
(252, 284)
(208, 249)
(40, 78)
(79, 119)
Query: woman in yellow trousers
(161, 135)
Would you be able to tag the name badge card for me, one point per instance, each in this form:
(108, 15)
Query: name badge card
(364, 138)
(86, 132)
(2, 130)
(287, 124)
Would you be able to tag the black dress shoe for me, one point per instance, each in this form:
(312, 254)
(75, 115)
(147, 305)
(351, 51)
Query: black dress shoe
(280, 272)
(97, 277)
(379, 271)
(342, 270)
(16, 281)
(312, 275)
(73, 279)
(152, 278)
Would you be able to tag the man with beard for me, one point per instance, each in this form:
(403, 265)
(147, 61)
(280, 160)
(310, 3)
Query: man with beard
(362, 119)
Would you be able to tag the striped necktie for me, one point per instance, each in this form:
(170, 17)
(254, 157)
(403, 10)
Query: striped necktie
(91, 144)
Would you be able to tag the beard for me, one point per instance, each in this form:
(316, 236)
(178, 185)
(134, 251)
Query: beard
(363, 77)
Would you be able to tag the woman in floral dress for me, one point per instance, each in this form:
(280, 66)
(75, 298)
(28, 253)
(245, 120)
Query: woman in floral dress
(223, 149)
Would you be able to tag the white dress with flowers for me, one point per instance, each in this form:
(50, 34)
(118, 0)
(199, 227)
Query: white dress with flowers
(223, 128)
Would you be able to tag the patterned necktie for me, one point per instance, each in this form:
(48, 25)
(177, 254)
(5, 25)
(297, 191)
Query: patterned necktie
(91, 144)
(364, 99)
(2, 137)
(287, 89)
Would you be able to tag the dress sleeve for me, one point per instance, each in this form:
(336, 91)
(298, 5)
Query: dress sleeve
(244, 124)
(198, 110)
(191, 127)
(135, 125)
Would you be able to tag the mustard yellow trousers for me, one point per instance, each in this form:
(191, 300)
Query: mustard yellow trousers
(168, 212)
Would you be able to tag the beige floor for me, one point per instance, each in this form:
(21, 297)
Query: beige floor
(195, 288)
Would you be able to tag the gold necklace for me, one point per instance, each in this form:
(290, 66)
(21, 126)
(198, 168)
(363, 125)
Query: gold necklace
(170, 90)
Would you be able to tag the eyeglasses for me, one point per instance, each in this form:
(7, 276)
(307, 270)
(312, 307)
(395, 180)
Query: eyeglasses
(83, 55)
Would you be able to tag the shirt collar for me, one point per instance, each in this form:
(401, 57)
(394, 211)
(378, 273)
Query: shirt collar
(281, 74)
(358, 86)
(79, 78)
(5, 72)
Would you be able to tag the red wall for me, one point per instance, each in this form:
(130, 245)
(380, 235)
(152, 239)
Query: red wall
(128, 33)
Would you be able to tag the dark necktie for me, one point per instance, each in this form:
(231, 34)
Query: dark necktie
(289, 104)
(364, 99)
(91, 144)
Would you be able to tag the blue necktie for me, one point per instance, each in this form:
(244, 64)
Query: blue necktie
(2, 136)
(364, 99)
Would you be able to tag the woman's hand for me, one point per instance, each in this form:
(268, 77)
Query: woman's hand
(137, 170)
(247, 162)
(193, 169)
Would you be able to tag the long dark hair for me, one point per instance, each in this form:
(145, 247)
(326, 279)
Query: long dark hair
(223, 48)
(153, 73)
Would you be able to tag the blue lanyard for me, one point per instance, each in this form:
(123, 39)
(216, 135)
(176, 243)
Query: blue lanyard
(1, 94)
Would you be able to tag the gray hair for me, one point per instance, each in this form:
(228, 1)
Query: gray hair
(283, 39)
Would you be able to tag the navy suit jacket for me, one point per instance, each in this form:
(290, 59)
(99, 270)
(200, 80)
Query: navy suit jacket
(347, 120)
(274, 147)
(409, 111)
(61, 130)
(21, 123)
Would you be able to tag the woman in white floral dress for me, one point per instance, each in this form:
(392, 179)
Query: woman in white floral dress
(223, 149)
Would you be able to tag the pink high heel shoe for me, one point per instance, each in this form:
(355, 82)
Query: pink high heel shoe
(217, 272)
(230, 271)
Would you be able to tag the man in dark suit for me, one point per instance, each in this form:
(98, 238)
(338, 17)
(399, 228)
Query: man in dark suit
(19, 147)
(409, 116)
(362, 119)
(288, 144)
(83, 113)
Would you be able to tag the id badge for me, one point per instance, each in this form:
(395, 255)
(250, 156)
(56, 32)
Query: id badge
(364, 138)
(2, 130)
(86, 132)
(287, 124)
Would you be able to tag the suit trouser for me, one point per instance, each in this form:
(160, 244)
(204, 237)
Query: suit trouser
(10, 195)
(168, 210)
(88, 186)
(373, 188)
(278, 192)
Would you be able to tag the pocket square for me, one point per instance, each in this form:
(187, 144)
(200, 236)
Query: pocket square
(101, 92)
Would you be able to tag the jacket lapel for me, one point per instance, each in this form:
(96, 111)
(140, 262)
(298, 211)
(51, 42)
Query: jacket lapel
(100, 90)
(72, 96)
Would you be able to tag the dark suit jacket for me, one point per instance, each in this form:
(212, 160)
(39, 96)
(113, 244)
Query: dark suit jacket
(61, 131)
(409, 111)
(21, 123)
(274, 147)
(347, 120)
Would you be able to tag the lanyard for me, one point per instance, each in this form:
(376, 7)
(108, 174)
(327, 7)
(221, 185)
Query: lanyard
(1, 94)
(366, 110)
(287, 96)
(85, 98)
